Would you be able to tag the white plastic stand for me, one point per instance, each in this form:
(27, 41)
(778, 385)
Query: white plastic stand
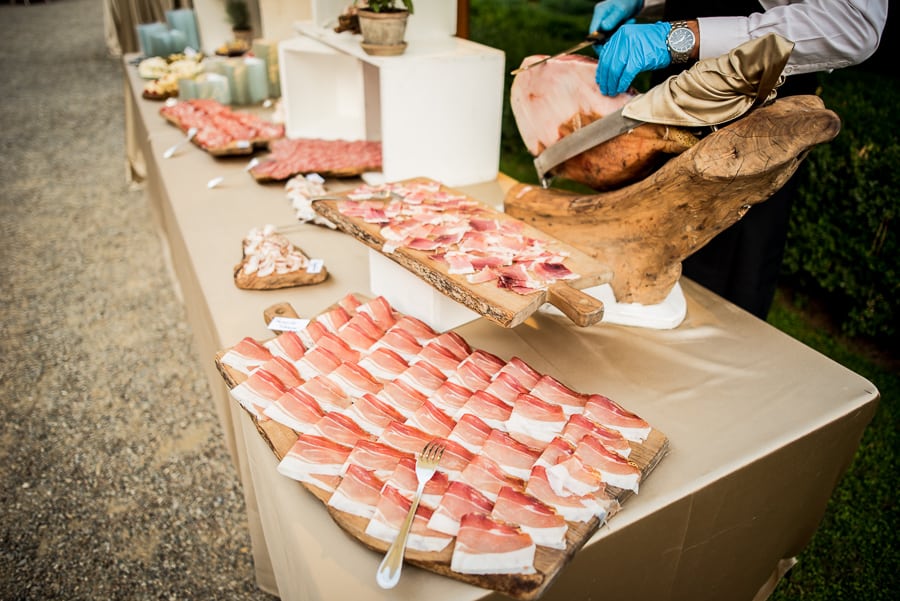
(663, 316)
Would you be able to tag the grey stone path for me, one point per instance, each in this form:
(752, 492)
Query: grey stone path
(114, 483)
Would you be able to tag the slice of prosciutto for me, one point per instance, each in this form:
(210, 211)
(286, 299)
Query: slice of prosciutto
(450, 397)
(560, 96)
(406, 438)
(612, 415)
(402, 397)
(317, 362)
(246, 355)
(489, 363)
(458, 500)
(338, 347)
(375, 457)
(513, 457)
(401, 342)
(526, 375)
(358, 492)
(614, 469)
(546, 527)
(296, 410)
(372, 414)
(384, 364)
(553, 391)
(381, 312)
(580, 426)
(404, 479)
(485, 545)
(535, 422)
(327, 394)
(483, 474)
(340, 428)
(470, 431)
(429, 418)
(506, 387)
(573, 508)
(314, 460)
(488, 408)
(354, 380)
(258, 391)
(389, 515)
(288, 345)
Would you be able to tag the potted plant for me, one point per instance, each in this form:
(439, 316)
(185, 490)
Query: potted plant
(239, 15)
(383, 26)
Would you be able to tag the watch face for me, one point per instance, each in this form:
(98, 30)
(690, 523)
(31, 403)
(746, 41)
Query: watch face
(681, 39)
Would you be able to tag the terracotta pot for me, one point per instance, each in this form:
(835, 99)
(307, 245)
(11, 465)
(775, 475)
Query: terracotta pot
(243, 35)
(383, 32)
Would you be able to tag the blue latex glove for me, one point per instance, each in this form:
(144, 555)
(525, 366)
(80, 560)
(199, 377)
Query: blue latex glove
(609, 13)
(632, 50)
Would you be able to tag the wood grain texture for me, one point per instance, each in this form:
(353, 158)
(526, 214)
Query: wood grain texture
(500, 305)
(644, 231)
(274, 281)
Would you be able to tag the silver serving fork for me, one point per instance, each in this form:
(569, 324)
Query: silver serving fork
(388, 573)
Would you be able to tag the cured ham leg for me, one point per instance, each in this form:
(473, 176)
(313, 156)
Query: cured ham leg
(551, 101)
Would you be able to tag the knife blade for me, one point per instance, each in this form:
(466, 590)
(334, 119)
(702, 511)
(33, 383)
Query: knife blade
(598, 37)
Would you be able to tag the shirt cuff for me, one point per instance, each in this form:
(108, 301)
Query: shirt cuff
(720, 35)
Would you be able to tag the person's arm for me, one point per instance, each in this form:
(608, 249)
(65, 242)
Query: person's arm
(827, 34)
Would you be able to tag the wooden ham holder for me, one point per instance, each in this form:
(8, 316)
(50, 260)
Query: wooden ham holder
(643, 231)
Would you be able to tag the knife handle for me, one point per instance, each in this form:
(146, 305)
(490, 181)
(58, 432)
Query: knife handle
(599, 37)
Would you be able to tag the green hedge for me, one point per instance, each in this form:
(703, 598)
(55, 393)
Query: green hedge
(842, 245)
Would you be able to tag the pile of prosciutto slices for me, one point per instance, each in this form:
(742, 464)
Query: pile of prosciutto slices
(366, 388)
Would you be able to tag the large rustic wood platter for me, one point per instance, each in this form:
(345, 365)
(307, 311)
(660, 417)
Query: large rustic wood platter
(549, 563)
(500, 305)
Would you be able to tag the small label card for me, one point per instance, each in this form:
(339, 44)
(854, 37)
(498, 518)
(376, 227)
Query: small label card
(288, 324)
(315, 266)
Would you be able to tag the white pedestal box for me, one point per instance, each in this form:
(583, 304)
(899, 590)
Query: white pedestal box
(431, 18)
(410, 294)
(436, 108)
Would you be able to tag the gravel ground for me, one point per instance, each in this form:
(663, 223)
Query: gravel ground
(114, 483)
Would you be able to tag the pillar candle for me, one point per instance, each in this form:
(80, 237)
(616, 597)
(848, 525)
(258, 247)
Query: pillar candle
(257, 80)
(185, 21)
(144, 32)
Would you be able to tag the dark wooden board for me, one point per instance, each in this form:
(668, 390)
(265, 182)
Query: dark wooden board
(549, 563)
(500, 305)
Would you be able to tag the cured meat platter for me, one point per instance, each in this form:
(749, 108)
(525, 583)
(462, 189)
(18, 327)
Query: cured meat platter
(491, 281)
(357, 458)
(220, 130)
(270, 261)
(327, 158)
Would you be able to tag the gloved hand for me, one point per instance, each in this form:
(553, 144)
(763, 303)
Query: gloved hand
(632, 50)
(609, 13)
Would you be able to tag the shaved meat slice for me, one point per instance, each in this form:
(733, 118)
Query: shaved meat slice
(572, 507)
(288, 345)
(372, 414)
(311, 333)
(358, 493)
(376, 457)
(358, 336)
(340, 158)
(488, 546)
(535, 422)
(423, 376)
(384, 364)
(470, 431)
(429, 418)
(402, 397)
(486, 476)
(284, 370)
(350, 303)
(615, 470)
(338, 347)
(258, 391)
(401, 342)
(526, 375)
(455, 457)
(312, 458)
(341, 429)
(389, 516)
(246, 355)
(404, 479)
(551, 101)
(506, 388)
(366, 324)
(471, 376)
(489, 408)
(317, 362)
(441, 357)
(296, 410)
(328, 394)
(454, 344)
(458, 500)
(612, 415)
(572, 476)
(450, 397)
(545, 526)
(487, 362)
(513, 457)
(421, 331)
(580, 426)
(381, 312)
(334, 319)
(354, 380)
(558, 450)
(405, 438)
(552, 390)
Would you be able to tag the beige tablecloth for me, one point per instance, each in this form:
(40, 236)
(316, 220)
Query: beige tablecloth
(761, 427)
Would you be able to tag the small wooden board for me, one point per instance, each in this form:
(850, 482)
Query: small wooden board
(242, 148)
(275, 281)
(549, 563)
(500, 305)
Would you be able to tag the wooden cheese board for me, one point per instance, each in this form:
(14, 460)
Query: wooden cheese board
(549, 563)
(498, 304)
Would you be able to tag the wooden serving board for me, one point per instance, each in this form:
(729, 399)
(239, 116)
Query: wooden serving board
(241, 148)
(276, 281)
(549, 563)
(500, 305)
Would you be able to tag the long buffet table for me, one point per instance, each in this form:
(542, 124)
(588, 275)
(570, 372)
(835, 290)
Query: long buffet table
(761, 427)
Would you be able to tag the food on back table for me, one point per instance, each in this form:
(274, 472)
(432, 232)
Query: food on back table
(220, 130)
(328, 158)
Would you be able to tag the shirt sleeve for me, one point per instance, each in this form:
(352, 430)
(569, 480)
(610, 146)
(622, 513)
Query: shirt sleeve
(827, 34)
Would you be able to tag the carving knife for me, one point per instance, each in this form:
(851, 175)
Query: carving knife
(598, 37)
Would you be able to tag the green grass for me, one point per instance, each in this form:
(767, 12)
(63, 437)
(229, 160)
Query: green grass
(854, 554)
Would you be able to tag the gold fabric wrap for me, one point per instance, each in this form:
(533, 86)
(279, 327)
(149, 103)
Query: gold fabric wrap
(716, 90)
